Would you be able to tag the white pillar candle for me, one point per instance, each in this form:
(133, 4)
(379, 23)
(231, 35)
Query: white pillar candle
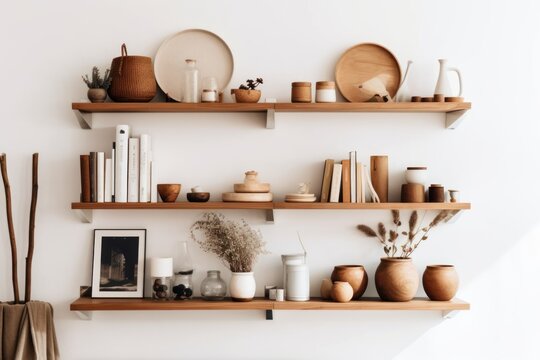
(161, 267)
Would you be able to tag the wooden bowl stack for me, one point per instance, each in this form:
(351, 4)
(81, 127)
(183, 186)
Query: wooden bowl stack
(251, 190)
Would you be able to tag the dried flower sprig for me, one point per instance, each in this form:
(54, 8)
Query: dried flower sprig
(251, 84)
(97, 81)
(410, 244)
(234, 242)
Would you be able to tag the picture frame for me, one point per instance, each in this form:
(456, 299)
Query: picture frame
(118, 265)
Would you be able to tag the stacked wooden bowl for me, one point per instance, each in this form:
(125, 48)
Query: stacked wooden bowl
(249, 191)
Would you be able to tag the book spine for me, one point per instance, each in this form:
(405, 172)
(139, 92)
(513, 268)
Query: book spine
(346, 180)
(153, 183)
(133, 170)
(108, 180)
(144, 171)
(352, 160)
(85, 178)
(327, 180)
(100, 173)
(336, 183)
(113, 169)
(93, 176)
(121, 176)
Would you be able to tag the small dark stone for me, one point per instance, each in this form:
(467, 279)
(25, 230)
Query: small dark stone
(188, 292)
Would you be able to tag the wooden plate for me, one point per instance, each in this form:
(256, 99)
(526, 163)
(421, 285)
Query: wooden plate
(247, 197)
(214, 58)
(313, 199)
(252, 188)
(365, 62)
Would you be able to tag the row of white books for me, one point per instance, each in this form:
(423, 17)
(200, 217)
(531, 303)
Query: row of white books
(347, 181)
(127, 176)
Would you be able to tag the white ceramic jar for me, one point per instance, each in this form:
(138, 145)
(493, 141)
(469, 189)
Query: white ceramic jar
(325, 92)
(209, 96)
(242, 286)
(297, 283)
(416, 175)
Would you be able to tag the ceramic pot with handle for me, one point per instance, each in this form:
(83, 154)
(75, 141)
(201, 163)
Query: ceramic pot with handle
(443, 84)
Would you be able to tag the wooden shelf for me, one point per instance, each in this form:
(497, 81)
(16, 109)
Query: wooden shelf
(85, 210)
(371, 206)
(453, 111)
(86, 305)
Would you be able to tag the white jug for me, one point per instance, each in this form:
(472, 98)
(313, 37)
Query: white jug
(443, 85)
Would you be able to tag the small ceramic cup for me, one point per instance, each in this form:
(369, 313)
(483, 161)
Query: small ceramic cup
(416, 175)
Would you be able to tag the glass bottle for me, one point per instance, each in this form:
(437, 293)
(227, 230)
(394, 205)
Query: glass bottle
(213, 287)
(183, 283)
(191, 82)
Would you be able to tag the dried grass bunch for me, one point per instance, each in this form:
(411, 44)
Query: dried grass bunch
(389, 239)
(234, 242)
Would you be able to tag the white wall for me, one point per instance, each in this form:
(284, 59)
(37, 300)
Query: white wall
(491, 158)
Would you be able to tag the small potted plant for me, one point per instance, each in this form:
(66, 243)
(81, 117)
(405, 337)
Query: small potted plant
(97, 87)
(396, 278)
(247, 93)
(237, 245)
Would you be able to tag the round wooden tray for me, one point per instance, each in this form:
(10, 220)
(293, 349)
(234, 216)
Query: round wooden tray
(247, 197)
(365, 62)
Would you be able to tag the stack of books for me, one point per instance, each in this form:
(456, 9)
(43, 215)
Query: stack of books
(127, 176)
(346, 181)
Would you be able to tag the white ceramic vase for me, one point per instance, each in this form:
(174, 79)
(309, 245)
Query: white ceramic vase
(242, 286)
(443, 84)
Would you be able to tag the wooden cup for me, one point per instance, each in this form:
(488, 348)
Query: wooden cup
(412, 193)
(379, 176)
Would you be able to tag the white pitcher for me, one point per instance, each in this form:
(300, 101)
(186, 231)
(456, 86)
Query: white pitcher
(443, 85)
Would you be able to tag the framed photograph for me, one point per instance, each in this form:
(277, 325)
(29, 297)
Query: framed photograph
(118, 266)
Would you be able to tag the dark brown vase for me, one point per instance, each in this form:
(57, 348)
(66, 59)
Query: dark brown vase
(396, 279)
(440, 282)
(355, 275)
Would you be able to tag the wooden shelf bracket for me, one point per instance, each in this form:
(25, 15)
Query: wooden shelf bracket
(84, 119)
(454, 118)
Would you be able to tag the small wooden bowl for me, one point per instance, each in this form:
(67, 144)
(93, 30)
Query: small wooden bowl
(169, 192)
(198, 196)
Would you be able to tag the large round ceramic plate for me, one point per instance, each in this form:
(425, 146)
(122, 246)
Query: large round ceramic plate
(214, 58)
(369, 65)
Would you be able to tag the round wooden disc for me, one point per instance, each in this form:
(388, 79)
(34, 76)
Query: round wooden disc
(312, 199)
(365, 62)
(247, 197)
(252, 188)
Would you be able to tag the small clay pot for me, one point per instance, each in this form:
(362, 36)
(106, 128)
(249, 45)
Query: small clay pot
(355, 275)
(97, 95)
(342, 292)
(396, 279)
(440, 282)
(326, 289)
(169, 192)
(198, 196)
(246, 96)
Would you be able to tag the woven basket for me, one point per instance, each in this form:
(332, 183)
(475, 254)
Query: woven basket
(133, 78)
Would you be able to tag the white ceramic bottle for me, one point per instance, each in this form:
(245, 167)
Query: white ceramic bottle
(443, 84)
(191, 82)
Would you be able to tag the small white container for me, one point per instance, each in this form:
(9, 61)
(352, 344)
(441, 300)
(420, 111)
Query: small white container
(297, 283)
(280, 296)
(325, 92)
(416, 175)
(209, 96)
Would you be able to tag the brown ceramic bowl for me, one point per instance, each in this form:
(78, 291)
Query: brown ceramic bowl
(169, 192)
(198, 196)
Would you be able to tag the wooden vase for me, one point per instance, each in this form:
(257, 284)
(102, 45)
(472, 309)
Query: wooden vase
(440, 282)
(379, 176)
(169, 192)
(355, 275)
(326, 289)
(342, 292)
(246, 96)
(396, 279)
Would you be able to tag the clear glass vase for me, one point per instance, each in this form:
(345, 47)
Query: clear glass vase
(191, 82)
(183, 282)
(213, 287)
(161, 288)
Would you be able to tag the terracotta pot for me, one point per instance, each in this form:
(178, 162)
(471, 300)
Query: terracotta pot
(440, 282)
(246, 96)
(342, 291)
(169, 192)
(97, 95)
(326, 289)
(396, 279)
(355, 275)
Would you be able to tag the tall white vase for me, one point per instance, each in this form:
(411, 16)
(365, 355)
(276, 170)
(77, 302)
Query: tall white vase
(443, 84)
(403, 94)
(242, 286)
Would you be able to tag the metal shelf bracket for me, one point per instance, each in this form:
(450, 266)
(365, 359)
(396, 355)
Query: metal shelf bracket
(454, 118)
(84, 119)
(271, 119)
